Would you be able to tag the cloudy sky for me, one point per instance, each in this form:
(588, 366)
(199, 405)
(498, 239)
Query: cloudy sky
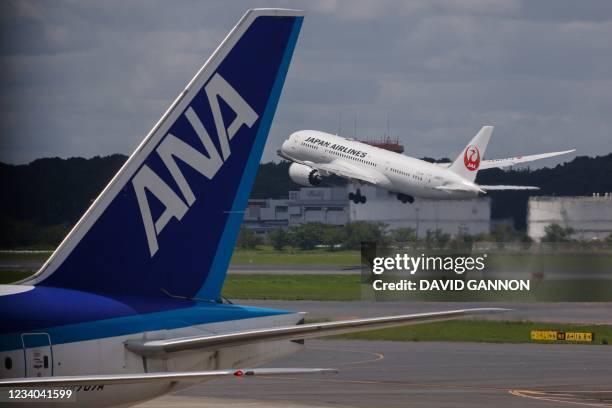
(90, 78)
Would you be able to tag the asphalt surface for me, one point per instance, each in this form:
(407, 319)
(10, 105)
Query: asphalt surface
(32, 265)
(407, 374)
(559, 312)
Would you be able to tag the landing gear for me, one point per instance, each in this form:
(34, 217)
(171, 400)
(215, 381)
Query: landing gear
(405, 198)
(357, 198)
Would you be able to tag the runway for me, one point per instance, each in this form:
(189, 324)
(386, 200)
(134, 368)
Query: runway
(408, 374)
(273, 269)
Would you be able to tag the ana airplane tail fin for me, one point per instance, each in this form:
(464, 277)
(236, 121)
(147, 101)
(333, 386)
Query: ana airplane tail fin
(168, 221)
(468, 161)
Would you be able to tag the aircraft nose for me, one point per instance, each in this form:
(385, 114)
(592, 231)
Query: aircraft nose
(284, 148)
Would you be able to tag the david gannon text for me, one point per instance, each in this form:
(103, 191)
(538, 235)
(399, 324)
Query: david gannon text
(454, 284)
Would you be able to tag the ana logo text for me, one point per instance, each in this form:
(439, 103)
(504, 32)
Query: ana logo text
(172, 147)
(471, 158)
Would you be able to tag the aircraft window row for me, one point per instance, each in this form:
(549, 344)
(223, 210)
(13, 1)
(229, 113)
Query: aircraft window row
(348, 156)
(312, 146)
(404, 173)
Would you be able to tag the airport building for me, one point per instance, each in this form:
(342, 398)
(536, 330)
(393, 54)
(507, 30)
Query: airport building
(589, 217)
(330, 205)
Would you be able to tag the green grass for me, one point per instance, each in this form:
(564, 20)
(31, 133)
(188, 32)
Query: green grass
(349, 287)
(486, 331)
(264, 255)
(268, 256)
(293, 287)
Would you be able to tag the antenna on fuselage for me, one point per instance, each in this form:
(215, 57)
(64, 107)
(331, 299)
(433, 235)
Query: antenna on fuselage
(339, 123)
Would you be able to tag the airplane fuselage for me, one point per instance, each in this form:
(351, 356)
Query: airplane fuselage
(396, 172)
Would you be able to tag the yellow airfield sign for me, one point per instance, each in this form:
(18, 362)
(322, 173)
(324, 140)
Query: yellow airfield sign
(553, 335)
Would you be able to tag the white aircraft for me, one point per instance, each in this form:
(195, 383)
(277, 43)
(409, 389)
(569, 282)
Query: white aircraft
(129, 305)
(317, 154)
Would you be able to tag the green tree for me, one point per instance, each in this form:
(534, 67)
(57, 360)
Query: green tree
(441, 238)
(248, 239)
(556, 233)
(502, 233)
(364, 231)
(307, 236)
(403, 235)
(436, 239)
(462, 242)
(333, 236)
(279, 238)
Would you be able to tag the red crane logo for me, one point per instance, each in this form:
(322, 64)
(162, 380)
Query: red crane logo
(471, 158)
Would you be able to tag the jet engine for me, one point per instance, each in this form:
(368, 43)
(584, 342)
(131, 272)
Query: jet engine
(304, 175)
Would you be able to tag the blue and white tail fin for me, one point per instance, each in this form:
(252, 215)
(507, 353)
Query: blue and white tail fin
(168, 221)
(468, 162)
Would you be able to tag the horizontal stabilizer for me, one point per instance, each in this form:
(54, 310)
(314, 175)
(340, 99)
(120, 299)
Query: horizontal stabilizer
(186, 376)
(297, 332)
(503, 188)
(496, 163)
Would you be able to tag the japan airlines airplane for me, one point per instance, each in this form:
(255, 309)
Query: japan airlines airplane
(317, 154)
(129, 306)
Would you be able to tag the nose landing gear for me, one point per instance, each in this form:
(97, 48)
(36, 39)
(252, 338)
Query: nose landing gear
(357, 198)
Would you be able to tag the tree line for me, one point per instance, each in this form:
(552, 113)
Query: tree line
(311, 235)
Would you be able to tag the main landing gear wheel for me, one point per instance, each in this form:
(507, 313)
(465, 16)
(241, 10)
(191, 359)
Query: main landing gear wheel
(357, 198)
(405, 198)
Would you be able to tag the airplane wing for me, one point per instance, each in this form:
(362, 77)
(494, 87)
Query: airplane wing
(186, 376)
(296, 332)
(495, 163)
(507, 188)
